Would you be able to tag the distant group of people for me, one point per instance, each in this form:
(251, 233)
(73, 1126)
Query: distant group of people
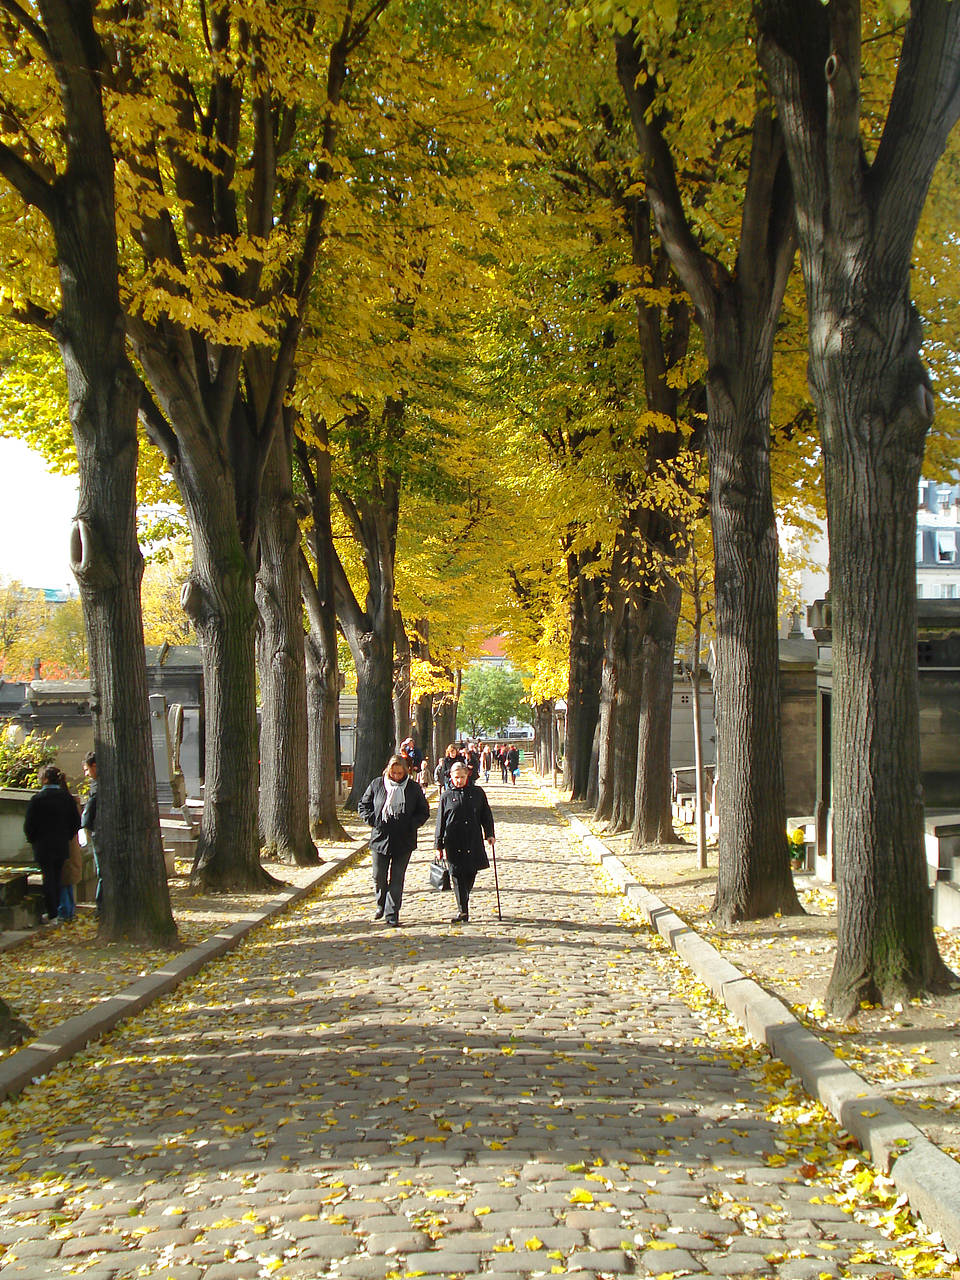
(479, 757)
(395, 807)
(54, 817)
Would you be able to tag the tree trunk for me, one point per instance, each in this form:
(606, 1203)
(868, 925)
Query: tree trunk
(613, 642)
(322, 698)
(401, 680)
(219, 600)
(373, 659)
(444, 722)
(629, 648)
(858, 222)
(754, 876)
(586, 665)
(320, 646)
(653, 819)
(104, 399)
(284, 789)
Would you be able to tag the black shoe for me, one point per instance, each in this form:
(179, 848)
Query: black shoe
(394, 924)
(378, 915)
(459, 919)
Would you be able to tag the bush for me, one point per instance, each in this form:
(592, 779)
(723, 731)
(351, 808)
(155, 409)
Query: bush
(21, 762)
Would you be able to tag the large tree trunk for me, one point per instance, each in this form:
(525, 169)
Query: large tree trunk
(373, 659)
(737, 313)
(284, 790)
(401, 680)
(320, 646)
(629, 649)
(754, 876)
(104, 397)
(445, 720)
(586, 664)
(653, 819)
(219, 600)
(857, 223)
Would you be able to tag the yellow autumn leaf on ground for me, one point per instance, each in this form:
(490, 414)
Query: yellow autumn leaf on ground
(580, 1196)
(533, 1244)
(661, 1244)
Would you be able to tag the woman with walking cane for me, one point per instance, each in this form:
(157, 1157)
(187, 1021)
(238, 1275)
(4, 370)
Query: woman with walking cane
(464, 821)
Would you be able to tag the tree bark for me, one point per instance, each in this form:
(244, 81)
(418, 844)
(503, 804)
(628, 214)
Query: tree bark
(401, 680)
(653, 818)
(445, 718)
(737, 314)
(219, 600)
(369, 631)
(323, 674)
(858, 222)
(619, 685)
(586, 664)
(284, 789)
(104, 399)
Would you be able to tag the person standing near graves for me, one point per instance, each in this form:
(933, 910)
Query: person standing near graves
(50, 823)
(464, 821)
(88, 818)
(396, 808)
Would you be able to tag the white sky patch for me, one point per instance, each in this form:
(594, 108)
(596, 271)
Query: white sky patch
(36, 512)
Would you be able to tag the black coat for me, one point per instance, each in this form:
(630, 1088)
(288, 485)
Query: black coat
(50, 823)
(394, 833)
(463, 819)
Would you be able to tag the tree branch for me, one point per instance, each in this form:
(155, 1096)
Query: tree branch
(29, 24)
(159, 431)
(25, 179)
(699, 274)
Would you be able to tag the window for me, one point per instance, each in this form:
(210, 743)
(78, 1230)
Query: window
(949, 591)
(919, 546)
(946, 546)
(919, 590)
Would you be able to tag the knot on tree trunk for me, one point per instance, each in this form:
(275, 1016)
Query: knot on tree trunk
(192, 601)
(88, 557)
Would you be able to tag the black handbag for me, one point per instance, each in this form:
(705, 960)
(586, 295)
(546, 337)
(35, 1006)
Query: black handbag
(439, 875)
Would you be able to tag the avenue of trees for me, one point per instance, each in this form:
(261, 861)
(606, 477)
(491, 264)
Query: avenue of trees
(432, 322)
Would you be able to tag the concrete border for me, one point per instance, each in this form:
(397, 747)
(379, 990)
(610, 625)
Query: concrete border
(925, 1174)
(66, 1038)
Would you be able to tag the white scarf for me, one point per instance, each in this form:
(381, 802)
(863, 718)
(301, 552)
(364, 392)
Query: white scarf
(394, 804)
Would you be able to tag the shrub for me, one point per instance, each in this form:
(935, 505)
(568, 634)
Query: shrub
(21, 762)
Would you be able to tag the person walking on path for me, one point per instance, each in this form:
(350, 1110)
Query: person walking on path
(464, 821)
(450, 758)
(396, 808)
(513, 764)
(502, 757)
(486, 758)
(50, 823)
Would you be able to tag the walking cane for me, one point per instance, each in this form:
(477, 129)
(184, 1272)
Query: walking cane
(493, 854)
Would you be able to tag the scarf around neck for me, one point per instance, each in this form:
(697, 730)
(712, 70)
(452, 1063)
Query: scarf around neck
(394, 802)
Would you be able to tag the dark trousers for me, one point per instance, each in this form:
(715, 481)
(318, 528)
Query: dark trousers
(461, 881)
(389, 870)
(51, 884)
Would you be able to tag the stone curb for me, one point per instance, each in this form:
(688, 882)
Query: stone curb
(925, 1174)
(68, 1037)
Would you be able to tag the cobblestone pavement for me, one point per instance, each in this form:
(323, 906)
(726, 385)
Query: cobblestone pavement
(543, 1095)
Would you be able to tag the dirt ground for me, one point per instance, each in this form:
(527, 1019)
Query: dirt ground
(910, 1052)
(54, 973)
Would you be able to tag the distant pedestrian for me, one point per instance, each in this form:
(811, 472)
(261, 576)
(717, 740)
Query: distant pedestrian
(464, 821)
(395, 807)
(513, 764)
(451, 757)
(50, 824)
(486, 759)
(502, 753)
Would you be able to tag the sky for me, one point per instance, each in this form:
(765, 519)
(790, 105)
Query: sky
(36, 512)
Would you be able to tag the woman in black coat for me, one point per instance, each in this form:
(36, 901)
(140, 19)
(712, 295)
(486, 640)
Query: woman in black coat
(50, 823)
(464, 821)
(395, 807)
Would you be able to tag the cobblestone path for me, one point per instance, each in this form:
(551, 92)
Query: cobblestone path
(537, 1096)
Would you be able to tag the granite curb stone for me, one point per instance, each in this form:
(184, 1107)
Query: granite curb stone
(67, 1038)
(927, 1175)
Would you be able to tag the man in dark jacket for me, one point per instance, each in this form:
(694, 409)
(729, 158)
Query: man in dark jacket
(464, 821)
(50, 823)
(395, 807)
